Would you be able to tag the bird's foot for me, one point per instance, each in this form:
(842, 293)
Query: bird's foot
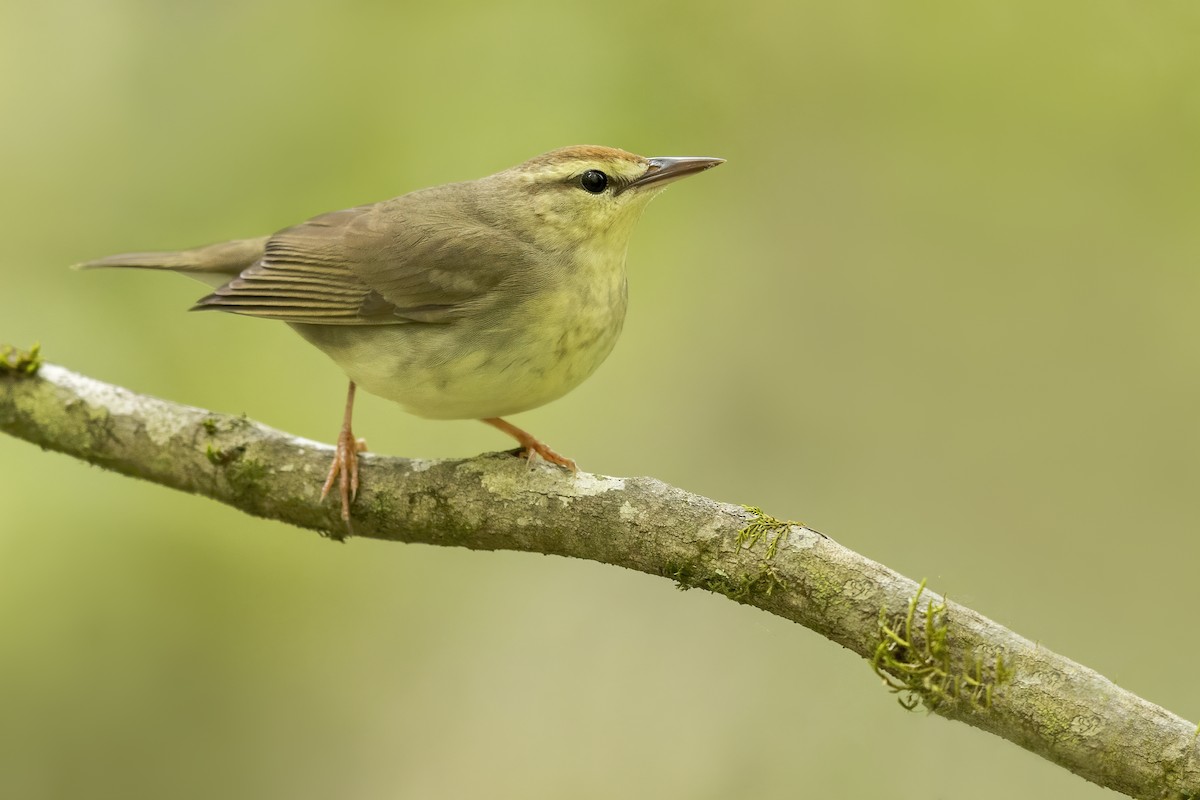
(534, 448)
(344, 470)
(531, 446)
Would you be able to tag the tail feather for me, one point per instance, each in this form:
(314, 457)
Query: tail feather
(215, 264)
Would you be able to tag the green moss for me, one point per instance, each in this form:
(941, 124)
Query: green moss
(821, 589)
(913, 658)
(20, 363)
(740, 587)
(210, 425)
(244, 475)
(679, 572)
(222, 457)
(381, 506)
(763, 582)
(764, 528)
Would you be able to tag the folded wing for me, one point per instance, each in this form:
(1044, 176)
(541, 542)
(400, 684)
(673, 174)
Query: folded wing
(396, 262)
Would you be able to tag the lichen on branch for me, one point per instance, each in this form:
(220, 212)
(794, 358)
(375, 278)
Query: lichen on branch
(945, 656)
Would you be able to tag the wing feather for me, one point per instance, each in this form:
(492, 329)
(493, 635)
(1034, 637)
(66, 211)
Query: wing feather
(424, 257)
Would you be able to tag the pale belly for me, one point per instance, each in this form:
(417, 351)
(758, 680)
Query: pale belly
(475, 369)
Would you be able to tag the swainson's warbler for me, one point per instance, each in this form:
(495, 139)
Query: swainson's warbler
(472, 300)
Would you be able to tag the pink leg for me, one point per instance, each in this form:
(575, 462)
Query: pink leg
(531, 444)
(344, 468)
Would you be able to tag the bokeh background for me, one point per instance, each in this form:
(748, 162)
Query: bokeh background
(940, 304)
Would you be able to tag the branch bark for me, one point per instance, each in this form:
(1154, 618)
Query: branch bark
(933, 652)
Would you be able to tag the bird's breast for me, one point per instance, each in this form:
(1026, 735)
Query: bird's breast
(530, 347)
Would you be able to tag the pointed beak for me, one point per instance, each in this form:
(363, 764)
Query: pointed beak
(664, 170)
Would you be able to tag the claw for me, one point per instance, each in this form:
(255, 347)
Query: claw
(531, 445)
(344, 469)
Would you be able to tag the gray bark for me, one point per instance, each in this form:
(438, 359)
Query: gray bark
(932, 652)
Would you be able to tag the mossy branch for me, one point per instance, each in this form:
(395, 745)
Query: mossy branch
(935, 653)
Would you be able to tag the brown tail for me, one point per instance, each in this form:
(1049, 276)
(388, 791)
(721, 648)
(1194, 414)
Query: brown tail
(215, 264)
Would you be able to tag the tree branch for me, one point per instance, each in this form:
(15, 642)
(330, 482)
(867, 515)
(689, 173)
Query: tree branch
(933, 652)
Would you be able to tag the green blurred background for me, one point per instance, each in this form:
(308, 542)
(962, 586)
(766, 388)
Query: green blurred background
(940, 304)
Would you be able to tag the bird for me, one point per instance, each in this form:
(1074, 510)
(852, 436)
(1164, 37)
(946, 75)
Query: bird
(471, 300)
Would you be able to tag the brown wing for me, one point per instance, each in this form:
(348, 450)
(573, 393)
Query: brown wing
(417, 258)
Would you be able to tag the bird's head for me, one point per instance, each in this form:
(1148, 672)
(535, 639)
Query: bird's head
(586, 194)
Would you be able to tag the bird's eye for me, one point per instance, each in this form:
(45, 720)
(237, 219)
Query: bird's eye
(593, 181)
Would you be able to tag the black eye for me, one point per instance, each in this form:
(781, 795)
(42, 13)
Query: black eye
(593, 181)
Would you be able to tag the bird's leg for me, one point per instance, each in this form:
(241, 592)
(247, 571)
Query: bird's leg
(531, 444)
(344, 468)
